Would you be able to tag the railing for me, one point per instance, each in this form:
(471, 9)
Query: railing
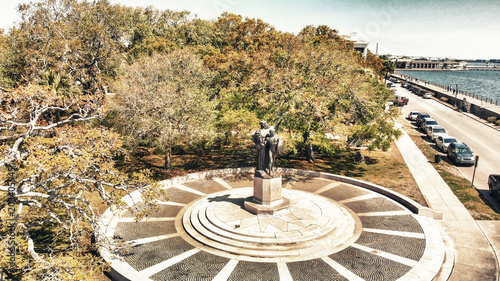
(451, 89)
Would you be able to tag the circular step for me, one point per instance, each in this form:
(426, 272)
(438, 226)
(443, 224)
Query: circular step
(311, 225)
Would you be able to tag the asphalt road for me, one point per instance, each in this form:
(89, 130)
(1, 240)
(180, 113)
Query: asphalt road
(483, 140)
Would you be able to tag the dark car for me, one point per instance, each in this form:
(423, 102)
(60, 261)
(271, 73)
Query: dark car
(494, 185)
(421, 117)
(460, 154)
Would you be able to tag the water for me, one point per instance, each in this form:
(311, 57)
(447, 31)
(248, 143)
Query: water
(485, 83)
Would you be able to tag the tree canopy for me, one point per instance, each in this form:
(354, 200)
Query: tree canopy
(55, 162)
(163, 102)
(80, 79)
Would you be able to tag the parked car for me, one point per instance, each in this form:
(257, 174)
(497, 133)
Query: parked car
(400, 101)
(427, 122)
(433, 131)
(421, 116)
(494, 185)
(460, 153)
(412, 116)
(442, 142)
(427, 95)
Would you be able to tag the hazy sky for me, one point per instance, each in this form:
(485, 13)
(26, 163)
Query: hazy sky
(431, 28)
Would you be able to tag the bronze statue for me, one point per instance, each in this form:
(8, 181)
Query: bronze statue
(267, 144)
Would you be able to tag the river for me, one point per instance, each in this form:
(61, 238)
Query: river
(481, 82)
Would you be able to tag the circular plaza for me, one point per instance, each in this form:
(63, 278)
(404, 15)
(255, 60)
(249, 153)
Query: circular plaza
(335, 228)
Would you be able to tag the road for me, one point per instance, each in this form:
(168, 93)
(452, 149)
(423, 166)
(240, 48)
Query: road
(483, 140)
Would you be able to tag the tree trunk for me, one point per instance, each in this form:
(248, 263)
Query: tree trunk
(168, 159)
(310, 153)
(309, 148)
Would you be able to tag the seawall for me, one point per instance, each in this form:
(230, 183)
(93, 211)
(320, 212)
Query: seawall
(477, 105)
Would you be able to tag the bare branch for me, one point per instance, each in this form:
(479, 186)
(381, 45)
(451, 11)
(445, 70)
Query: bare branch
(72, 119)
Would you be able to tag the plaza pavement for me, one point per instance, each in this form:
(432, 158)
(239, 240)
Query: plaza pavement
(476, 243)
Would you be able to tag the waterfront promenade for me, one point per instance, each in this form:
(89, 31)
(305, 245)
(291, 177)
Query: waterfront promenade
(479, 106)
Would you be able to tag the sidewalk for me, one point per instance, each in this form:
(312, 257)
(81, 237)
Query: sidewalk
(475, 256)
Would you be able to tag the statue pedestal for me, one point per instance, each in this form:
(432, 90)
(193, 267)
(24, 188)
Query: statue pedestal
(266, 195)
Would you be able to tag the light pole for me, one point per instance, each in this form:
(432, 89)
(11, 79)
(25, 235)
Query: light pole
(456, 93)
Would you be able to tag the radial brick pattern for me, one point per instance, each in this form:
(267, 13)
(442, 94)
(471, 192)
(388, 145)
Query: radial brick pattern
(388, 241)
(315, 269)
(201, 266)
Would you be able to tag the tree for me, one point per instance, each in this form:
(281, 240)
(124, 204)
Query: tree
(316, 78)
(5, 56)
(388, 66)
(162, 101)
(57, 174)
(82, 39)
(60, 83)
(374, 62)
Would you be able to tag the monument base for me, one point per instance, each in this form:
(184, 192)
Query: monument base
(258, 209)
(266, 195)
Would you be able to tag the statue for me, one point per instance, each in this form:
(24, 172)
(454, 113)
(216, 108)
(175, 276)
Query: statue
(267, 197)
(268, 144)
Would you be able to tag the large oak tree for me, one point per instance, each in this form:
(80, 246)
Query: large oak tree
(163, 101)
(59, 175)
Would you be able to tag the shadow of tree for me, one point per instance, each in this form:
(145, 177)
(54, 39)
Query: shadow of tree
(342, 163)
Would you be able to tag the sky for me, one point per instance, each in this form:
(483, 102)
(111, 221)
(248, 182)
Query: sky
(460, 29)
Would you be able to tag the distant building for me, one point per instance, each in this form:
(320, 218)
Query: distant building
(428, 64)
(359, 45)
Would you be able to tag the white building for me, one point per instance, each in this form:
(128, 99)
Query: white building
(359, 45)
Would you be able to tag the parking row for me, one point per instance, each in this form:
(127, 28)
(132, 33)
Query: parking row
(457, 152)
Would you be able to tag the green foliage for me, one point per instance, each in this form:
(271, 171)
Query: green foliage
(62, 170)
(5, 57)
(82, 39)
(492, 119)
(163, 99)
(237, 124)
(315, 77)
(180, 83)
(388, 66)
(60, 83)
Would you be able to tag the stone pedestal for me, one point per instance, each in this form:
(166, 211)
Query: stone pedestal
(266, 197)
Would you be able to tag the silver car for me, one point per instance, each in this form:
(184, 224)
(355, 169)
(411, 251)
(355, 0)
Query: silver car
(442, 142)
(460, 154)
(433, 131)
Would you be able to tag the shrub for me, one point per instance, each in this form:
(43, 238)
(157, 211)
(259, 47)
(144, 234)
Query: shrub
(492, 119)
(497, 122)
(445, 99)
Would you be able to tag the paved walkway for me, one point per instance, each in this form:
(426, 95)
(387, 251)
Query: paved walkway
(476, 243)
